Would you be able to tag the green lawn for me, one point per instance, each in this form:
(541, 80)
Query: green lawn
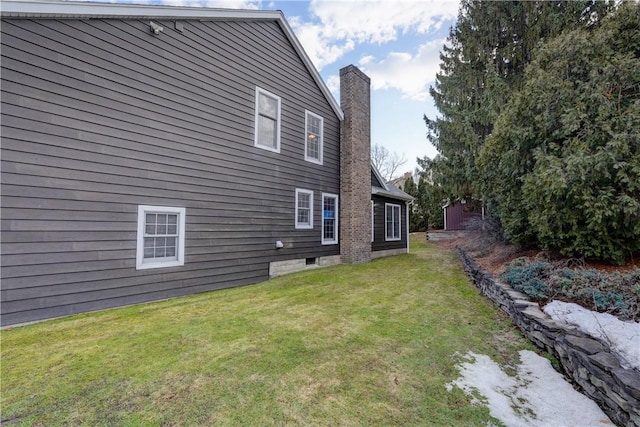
(370, 344)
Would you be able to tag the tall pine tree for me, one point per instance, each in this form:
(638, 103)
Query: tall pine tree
(562, 167)
(482, 66)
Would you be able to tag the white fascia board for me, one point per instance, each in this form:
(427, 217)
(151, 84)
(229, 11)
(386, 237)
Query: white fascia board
(375, 171)
(44, 8)
(391, 194)
(71, 9)
(312, 69)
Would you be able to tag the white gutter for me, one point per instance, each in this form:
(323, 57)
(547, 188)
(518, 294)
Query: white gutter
(444, 214)
(406, 205)
(72, 9)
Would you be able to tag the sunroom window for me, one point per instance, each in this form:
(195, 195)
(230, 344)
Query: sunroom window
(392, 223)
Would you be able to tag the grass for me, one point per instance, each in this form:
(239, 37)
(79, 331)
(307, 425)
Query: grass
(370, 344)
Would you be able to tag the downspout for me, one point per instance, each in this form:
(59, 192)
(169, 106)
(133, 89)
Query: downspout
(406, 204)
(444, 214)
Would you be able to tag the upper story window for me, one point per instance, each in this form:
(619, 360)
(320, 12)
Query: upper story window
(304, 208)
(329, 219)
(267, 120)
(161, 232)
(392, 223)
(314, 127)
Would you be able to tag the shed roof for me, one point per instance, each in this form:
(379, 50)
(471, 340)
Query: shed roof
(43, 9)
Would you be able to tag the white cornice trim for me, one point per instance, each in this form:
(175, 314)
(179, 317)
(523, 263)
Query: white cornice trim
(47, 8)
(375, 171)
(312, 69)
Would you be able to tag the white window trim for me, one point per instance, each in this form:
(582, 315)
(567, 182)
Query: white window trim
(373, 223)
(319, 160)
(278, 120)
(333, 241)
(141, 264)
(300, 225)
(386, 231)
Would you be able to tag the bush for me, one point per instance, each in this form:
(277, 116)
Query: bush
(615, 293)
(529, 279)
(562, 166)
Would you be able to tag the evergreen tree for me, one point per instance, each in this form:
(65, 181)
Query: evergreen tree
(482, 66)
(416, 222)
(562, 167)
(430, 195)
(410, 187)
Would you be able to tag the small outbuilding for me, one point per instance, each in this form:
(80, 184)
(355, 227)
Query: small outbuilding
(458, 214)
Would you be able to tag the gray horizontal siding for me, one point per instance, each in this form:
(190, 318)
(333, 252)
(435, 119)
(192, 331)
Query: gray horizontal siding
(174, 290)
(100, 116)
(379, 243)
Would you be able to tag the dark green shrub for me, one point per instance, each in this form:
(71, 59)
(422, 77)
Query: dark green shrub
(562, 165)
(529, 279)
(615, 293)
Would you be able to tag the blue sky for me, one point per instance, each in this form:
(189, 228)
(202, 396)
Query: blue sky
(395, 42)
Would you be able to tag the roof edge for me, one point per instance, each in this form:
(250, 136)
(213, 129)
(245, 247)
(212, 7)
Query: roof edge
(312, 69)
(392, 194)
(382, 181)
(73, 9)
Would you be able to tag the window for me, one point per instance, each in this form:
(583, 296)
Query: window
(267, 120)
(304, 208)
(392, 224)
(329, 219)
(314, 125)
(161, 234)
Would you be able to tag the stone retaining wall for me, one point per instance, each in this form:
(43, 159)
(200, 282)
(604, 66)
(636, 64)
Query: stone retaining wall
(585, 359)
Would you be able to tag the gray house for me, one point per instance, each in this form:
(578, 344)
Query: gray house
(150, 152)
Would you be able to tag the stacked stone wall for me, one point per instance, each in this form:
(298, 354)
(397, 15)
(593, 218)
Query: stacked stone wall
(586, 360)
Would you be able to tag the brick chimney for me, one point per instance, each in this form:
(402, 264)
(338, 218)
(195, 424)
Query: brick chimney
(355, 166)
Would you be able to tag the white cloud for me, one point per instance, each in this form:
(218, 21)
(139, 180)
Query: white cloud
(337, 26)
(333, 83)
(222, 4)
(380, 21)
(409, 73)
(321, 47)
